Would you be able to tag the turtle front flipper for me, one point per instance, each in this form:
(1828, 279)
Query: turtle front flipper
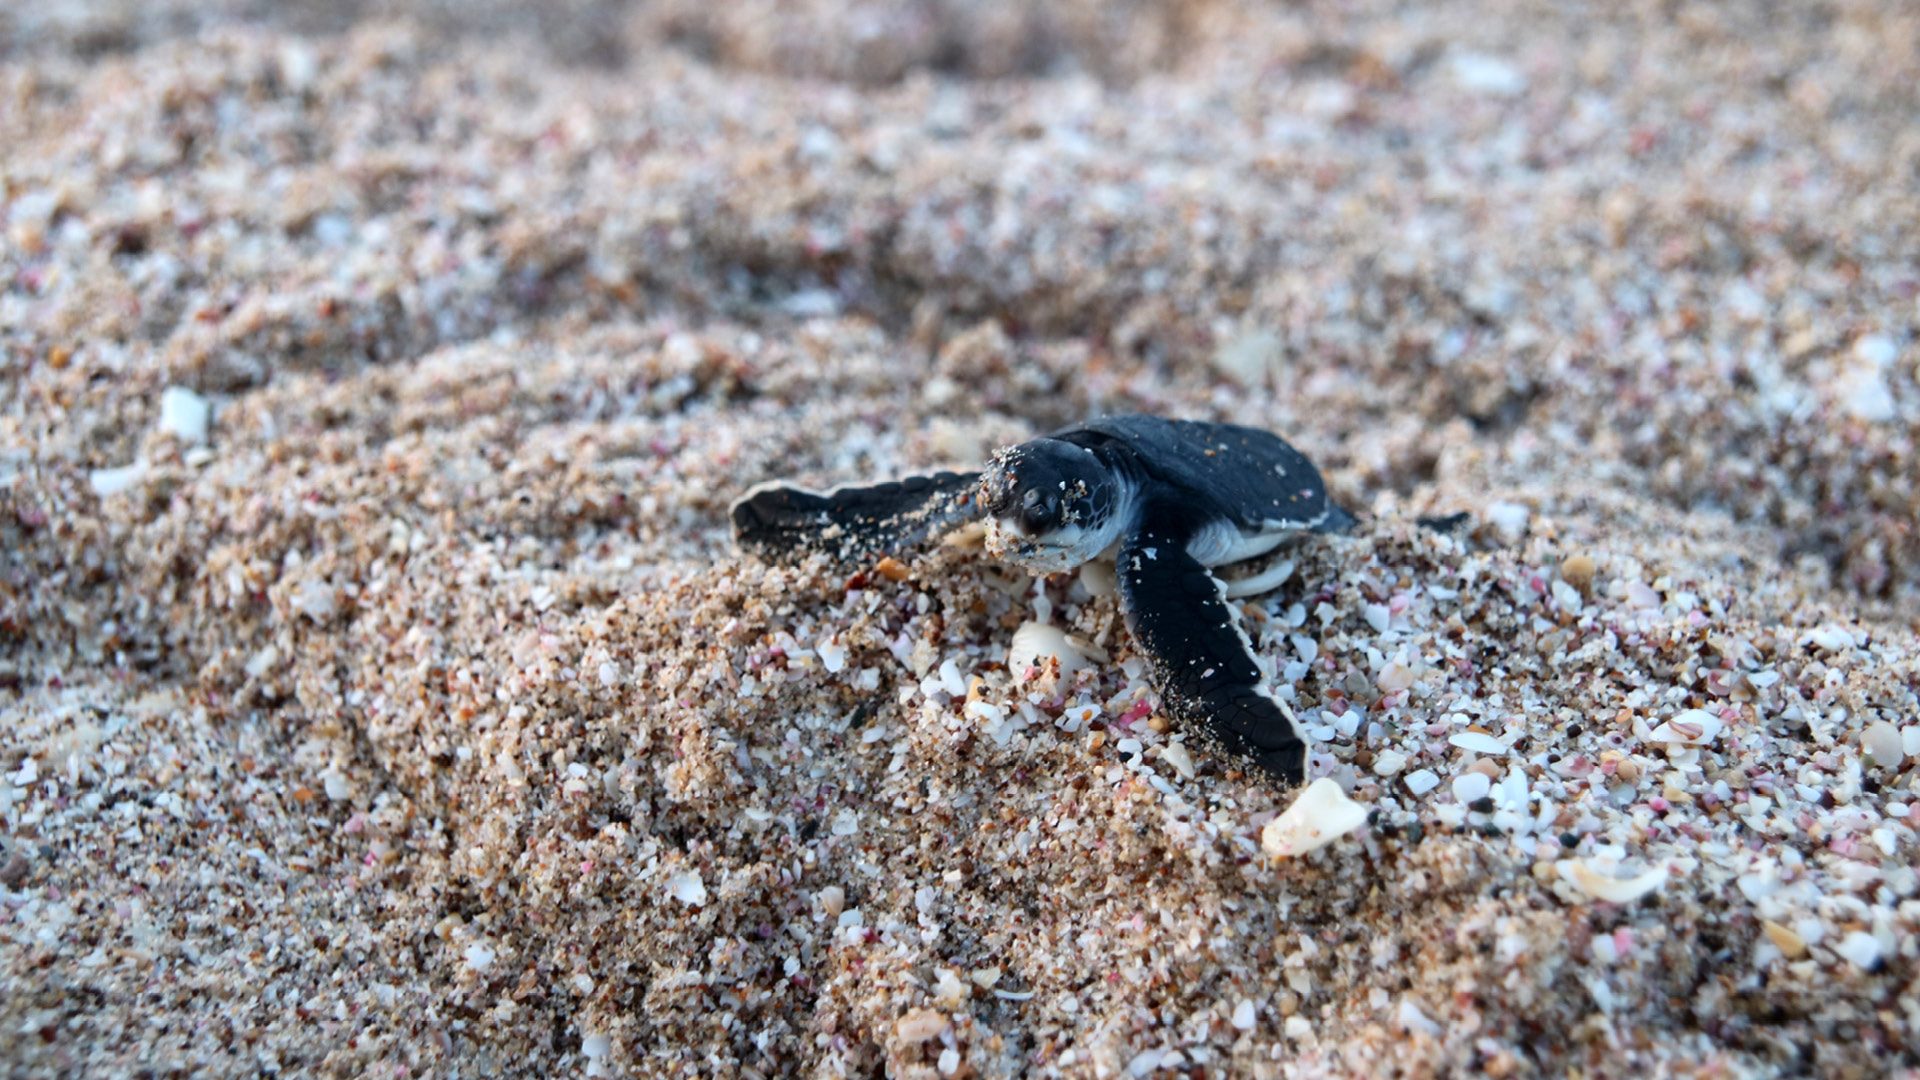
(1201, 657)
(779, 521)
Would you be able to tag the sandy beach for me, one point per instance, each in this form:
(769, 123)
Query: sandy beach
(382, 693)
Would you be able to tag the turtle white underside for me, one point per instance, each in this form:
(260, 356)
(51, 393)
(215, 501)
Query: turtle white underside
(1223, 542)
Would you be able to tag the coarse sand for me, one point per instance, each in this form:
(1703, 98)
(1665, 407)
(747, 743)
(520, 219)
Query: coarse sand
(381, 693)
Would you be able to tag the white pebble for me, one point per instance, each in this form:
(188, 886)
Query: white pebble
(832, 900)
(315, 599)
(479, 956)
(1249, 356)
(263, 661)
(949, 990)
(1910, 740)
(1244, 1015)
(1489, 75)
(185, 414)
(109, 482)
(846, 823)
(1305, 646)
(336, 785)
(1322, 814)
(1860, 949)
(949, 1061)
(1421, 781)
(1412, 1019)
(1830, 638)
(1468, 787)
(1883, 743)
(1297, 1027)
(1567, 597)
(951, 680)
(1396, 676)
(1389, 762)
(833, 656)
(1511, 792)
(609, 674)
(1377, 617)
(687, 888)
(1876, 349)
(1510, 519)
(1479, 742)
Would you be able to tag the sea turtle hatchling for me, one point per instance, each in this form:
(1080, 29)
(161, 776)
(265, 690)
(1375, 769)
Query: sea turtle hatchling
(1167, 500)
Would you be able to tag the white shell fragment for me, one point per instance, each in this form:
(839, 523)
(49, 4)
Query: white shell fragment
(1478, 741)
(833, 655)
(687, 888)
(1603, 886)
(1178, 756)
(1321, 815)
(1883, 744)
(1034, 644)
(1694, 727)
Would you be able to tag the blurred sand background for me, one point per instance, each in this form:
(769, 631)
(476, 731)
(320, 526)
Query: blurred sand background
(380, 693)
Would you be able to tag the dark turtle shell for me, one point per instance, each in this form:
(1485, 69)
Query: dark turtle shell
(1253, 477)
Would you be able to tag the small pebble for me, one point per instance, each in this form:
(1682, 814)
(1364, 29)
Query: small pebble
(1790, 944)
(1578, 571)
(185, 415)
(1471, 787)
(920, 1025)
(1421, 781)
(1389, 762)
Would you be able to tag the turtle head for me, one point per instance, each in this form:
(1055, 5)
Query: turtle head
(1050, 505)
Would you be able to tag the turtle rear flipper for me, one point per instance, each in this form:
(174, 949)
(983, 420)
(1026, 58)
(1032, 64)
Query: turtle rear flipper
(780, 521)
(1202, 659)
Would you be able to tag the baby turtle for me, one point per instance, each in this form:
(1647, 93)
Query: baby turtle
(1167, 500)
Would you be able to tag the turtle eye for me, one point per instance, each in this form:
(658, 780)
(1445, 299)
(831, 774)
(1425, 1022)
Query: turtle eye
(1036, 512)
